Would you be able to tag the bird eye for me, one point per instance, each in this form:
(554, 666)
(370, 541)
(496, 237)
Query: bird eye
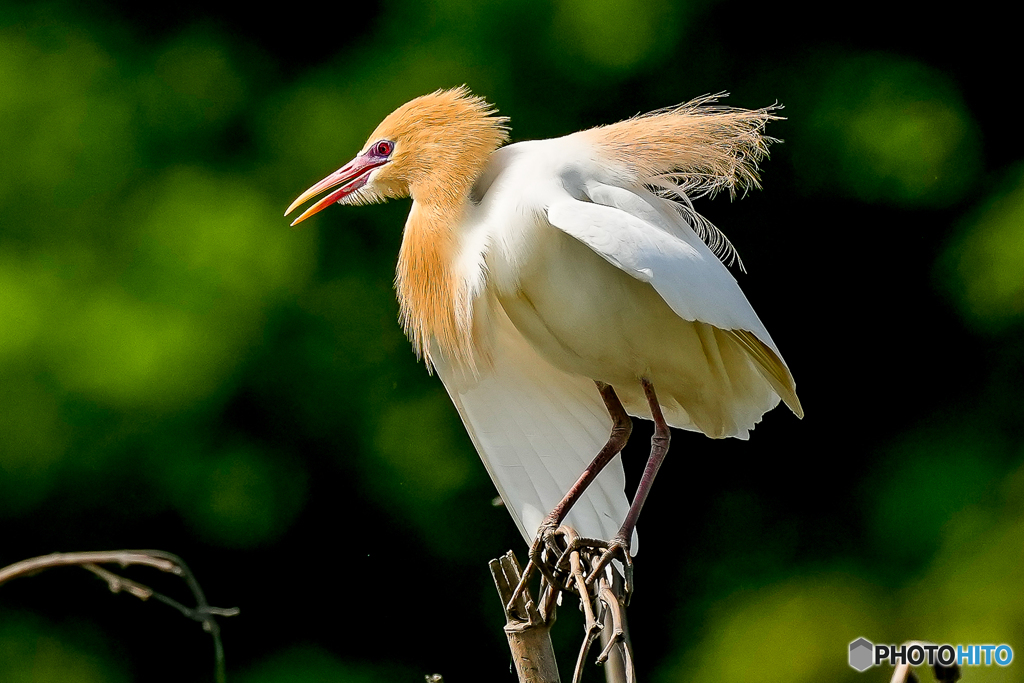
(384, 148)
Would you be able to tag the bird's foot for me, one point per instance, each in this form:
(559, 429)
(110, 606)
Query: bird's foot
(548, 550)
(616, 549)
(546, 554)
(570, 562)
(558, 548)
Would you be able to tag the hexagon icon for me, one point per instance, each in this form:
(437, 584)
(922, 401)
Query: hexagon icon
(862, 654)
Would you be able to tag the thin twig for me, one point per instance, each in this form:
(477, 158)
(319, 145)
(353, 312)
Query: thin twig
(124, 558)
(203, 612)
(116, 583)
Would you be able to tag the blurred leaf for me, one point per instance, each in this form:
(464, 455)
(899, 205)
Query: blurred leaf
(33, 652)
(423, 445)
(208, 262)
(421, 464)
(126, 352)
(193, 88)
(971, 593)
(33, 443)
(983, 265)
(930, 475)
(615, 36)
(68, 140)
(796, 632)
(887, 130)
(24, 291)
(237, 497)
(308, 664)
(312, 129)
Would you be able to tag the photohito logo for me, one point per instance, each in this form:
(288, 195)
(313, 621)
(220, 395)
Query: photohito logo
(864, 654)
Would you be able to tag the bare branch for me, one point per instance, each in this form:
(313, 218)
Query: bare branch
(203, 612)
(116, 583)
(529, 636)
(124, 558)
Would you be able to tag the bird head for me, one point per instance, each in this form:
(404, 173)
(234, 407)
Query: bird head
(432, 148)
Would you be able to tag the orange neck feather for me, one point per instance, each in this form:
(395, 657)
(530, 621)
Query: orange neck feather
(443, 142)
(427, 285)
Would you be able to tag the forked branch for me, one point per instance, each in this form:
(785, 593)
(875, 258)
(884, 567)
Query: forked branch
(527, 628)
(203, 612)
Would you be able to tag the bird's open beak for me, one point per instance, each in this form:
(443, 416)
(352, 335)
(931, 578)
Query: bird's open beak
(351, 177)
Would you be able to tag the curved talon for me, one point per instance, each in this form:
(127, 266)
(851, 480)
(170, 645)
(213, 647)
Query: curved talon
(551, 543)
(547, 547)
(577, 543)
(627, 581)
(565, 558)
(544, 542)
(617, 548)
(552, 552)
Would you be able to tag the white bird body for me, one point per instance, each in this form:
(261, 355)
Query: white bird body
(563, 268)
(591, 297)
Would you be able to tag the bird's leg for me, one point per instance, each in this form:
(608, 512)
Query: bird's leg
(622, 426)
(619, 546)
(546, 538)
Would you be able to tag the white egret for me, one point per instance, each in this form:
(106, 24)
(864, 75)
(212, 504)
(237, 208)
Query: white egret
(559, 286)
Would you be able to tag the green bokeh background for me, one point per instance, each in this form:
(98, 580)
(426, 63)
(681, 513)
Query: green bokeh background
(181, 370)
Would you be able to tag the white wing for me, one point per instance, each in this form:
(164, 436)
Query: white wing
(536, 429)
(646, 238)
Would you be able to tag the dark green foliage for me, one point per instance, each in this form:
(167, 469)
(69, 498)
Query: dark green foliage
(181, 370)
